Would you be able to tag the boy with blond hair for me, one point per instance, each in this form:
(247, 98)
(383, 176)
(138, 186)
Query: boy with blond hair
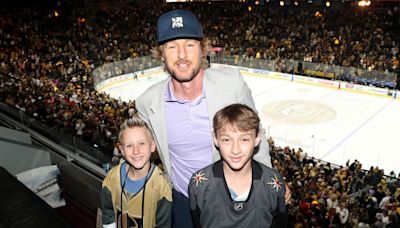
(136, 193)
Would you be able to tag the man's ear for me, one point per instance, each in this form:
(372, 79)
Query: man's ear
(163, 55)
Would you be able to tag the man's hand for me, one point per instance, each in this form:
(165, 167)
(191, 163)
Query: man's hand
(288, 194)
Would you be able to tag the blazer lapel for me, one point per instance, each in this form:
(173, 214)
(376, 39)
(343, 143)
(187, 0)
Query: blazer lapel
(157, 119)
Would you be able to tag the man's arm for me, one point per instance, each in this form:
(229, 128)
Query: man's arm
(262, 155)
(140, 108)
(194, 206)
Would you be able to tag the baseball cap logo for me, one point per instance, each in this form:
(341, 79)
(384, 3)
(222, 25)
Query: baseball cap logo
(177, 22)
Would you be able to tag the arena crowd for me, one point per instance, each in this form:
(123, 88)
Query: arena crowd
(46, 60)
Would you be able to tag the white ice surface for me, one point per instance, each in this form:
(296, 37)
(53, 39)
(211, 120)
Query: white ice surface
(356, 126)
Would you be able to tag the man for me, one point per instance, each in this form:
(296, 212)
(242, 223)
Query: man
(180, 109)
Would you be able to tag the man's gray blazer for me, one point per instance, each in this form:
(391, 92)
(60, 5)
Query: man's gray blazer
(223, 87)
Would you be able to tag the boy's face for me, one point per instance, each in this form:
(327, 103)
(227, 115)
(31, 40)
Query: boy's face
(137, 146)
(236, 146)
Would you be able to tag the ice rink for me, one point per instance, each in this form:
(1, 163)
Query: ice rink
(330, 124)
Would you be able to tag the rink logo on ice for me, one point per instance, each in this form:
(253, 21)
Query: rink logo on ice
(299, 112)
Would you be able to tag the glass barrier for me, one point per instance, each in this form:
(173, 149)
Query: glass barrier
(332, 72)
(94, 153)
(110, 70)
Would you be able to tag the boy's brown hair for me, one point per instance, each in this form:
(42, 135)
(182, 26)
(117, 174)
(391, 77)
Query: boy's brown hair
(240, 116)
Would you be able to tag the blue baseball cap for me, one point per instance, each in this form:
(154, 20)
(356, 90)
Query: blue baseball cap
(177, 24)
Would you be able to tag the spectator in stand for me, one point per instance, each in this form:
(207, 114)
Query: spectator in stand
(378, 223)
(46, 61)
(79, 126)
(343, 213)
(332, 201)
(384, 203)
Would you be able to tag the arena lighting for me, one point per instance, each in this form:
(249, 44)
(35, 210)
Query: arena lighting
(317, 14)
(257, 2)
(281, 3)
(336, 41)
(81, 20)
(249, 8)
(327, 3)
(296, 3)
(56, 14)
(364, 3)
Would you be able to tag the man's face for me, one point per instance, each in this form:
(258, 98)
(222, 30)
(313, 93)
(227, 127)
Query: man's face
(182, 59)
(236, 146)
